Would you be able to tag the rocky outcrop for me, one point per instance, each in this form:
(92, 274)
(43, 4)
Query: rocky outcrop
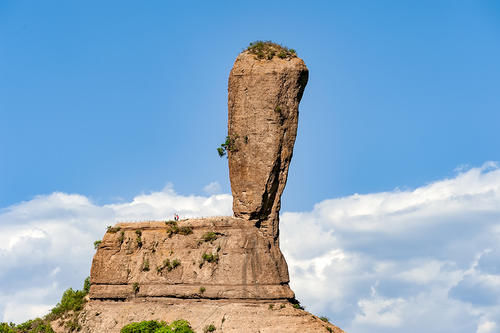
(213, 258)
(225, 271)
(264, 96)
(228, 316)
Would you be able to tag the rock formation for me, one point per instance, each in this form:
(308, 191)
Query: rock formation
(263, 105)
(226, 271)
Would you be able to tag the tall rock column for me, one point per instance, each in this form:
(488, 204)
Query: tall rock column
(265, 88)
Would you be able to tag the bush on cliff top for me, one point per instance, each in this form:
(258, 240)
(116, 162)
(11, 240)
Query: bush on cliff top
(153, 326)
(268, 50)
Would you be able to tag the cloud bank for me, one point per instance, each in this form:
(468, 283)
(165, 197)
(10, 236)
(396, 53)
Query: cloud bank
(401, 261)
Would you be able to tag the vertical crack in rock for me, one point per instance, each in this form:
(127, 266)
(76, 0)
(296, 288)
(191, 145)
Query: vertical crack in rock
(263, 107)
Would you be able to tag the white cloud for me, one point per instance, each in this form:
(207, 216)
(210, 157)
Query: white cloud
(212, 188)
(401, 261)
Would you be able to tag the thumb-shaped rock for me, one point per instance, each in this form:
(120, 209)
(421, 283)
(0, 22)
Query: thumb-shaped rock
(265, 87)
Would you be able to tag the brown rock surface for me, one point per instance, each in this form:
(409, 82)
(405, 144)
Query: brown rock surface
(226, 271)
(136, 260)
(263, 107)
(227, 316)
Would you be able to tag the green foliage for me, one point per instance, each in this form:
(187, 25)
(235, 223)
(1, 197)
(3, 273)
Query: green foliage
(298, 306)
(33, 326)
(202, 290)
(153, 326)
(112, 230)
(86, 285)
(145, 265)
(329, 329)
(6, 328)
(271, 306)
(139, 238)
(210, 257)
(97, 243)
(174, 229)
(209, 236)
(72, 300)
(169, 265)
(228, 145)
(122, 237)
(325, 319)
(135, 287)
(209, 328)
(267, 50)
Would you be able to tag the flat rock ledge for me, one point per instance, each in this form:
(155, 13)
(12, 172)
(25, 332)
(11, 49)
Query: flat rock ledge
(227, 316)
(212, 258)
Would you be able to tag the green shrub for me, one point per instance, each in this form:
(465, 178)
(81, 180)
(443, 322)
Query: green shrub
(145, 265)
(175, 229)
(298, 306)
(143, 327)
(97, 243)
(122, 237)
(209, 328)
(86, 285)
(325, 319)
(153, 326)
(72, 300)
(139, 238)
(210, 257)
(228, 145)
(209, 236)
(6, 328)
(135, 287)
(112, 229)
(202, 290)
(169, 265)
(267, 50)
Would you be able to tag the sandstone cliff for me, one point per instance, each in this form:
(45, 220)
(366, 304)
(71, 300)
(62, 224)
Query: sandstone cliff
(225, 271)
(263, 105)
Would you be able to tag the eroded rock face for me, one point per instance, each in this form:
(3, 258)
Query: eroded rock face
(215, 258)
(263, 104)
(228, 316)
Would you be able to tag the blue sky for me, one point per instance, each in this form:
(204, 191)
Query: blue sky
(110, 100)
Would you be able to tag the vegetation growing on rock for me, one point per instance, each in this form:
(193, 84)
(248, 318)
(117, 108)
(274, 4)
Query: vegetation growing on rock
(68, 308)
(268, 50)
(153, 326)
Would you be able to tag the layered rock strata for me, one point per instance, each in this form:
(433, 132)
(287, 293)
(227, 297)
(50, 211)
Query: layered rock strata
(263, 102)
(213, 258)
(227, 316)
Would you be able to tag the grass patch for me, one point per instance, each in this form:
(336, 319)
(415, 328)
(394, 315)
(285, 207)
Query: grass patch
(268, 50)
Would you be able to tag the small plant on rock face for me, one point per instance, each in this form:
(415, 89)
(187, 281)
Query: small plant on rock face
(209, 236)
(282, 306)
(209, 328)
(202, 290)
(228, 145)
(135, 287)
(329, 329)
(298, 306)
(210, 257)
(122, 237)
(325, 319)
(271, 306)
(139, 238)
(112, 230)
(145, 265)
(97, 243)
